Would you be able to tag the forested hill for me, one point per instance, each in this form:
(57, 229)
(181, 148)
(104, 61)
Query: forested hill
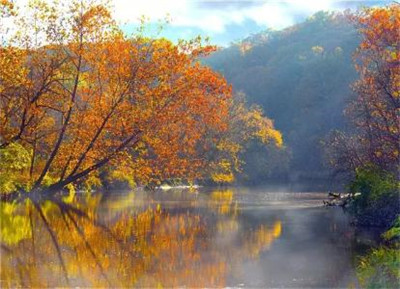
(301, 77)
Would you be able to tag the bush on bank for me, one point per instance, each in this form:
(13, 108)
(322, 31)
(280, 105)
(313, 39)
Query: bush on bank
(377, 199)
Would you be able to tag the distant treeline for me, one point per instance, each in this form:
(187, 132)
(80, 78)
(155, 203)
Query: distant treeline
(301, 76)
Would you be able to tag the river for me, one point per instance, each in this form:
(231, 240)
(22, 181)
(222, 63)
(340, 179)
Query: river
(240, 237)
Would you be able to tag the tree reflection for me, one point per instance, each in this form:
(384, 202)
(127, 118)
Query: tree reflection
(74, 242)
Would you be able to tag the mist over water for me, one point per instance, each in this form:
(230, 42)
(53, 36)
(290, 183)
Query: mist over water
(182, 238)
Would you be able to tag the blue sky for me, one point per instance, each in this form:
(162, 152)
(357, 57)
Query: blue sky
(223, 21)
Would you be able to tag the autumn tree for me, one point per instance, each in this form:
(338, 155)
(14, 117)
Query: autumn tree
(375, 111)
(80, 99)
(246, 123)
(77, 95)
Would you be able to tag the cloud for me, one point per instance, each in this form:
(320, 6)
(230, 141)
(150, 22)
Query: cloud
(215, 15)
(228, 4)
(215, 18)
(183, 13)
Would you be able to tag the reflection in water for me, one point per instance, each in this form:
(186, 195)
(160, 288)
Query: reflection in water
(162, 239)
(73, 242)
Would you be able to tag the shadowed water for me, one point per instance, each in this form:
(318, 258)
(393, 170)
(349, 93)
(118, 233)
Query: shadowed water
(179, 238)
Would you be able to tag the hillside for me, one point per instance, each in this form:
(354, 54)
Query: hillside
(301, 77)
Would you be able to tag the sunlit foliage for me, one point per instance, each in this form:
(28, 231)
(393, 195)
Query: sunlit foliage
(14, 169)
(89, 103)
(245, 124)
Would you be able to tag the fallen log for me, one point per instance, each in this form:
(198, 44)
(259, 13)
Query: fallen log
(337, 199)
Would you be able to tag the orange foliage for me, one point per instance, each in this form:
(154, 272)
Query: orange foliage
(80, 96)
(376, 110)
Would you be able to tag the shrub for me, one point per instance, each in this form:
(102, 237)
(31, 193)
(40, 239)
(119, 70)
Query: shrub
(377, 201)
(380, 267)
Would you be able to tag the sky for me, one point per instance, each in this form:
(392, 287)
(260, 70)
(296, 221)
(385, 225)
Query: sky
(223, 21)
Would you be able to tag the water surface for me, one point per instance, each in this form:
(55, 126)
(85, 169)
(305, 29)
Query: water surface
(179, 238)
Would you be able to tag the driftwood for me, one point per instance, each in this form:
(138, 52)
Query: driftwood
(338, 199)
